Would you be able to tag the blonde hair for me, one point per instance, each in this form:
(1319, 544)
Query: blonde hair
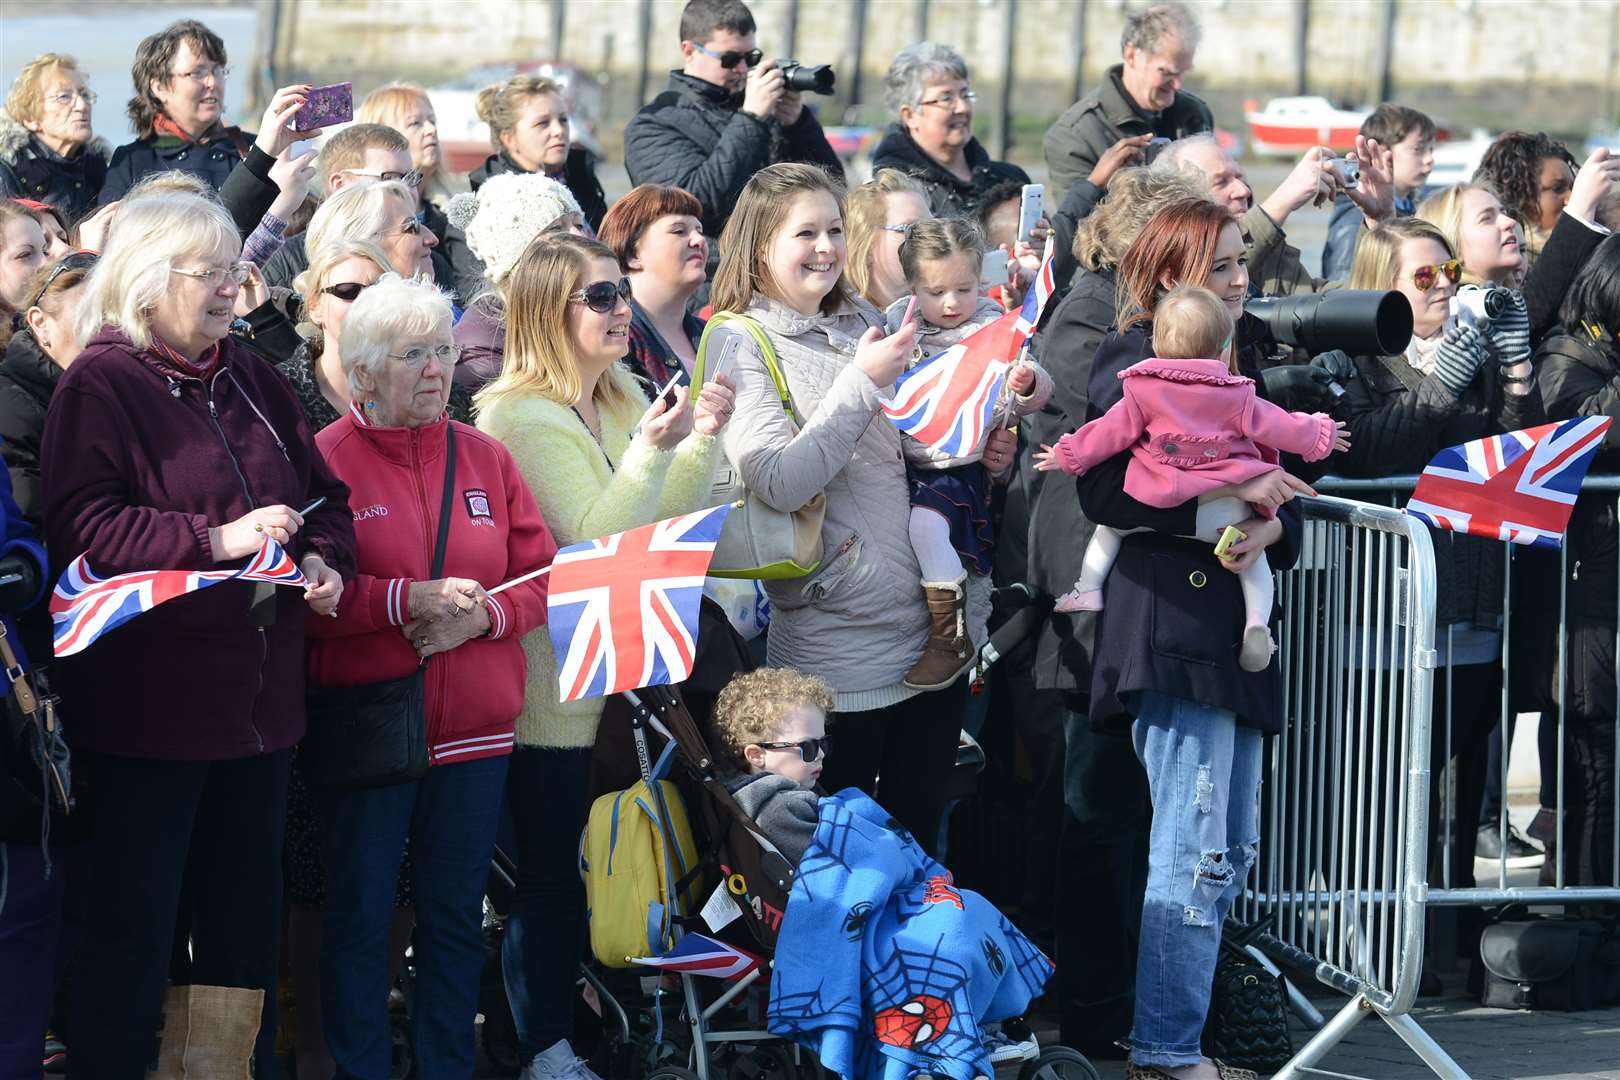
(391, 105)
(940, 238)
(355, 212)
(393, 308)
(501, 105)
(27, 94)
(322, 261)
(1192, 323)
(753, 705)
(539, 348)
(762, 209)
(1134, 196)
(1378, 253)
(1444, 211)
(172, 180)
(148, 236)
(866, 211)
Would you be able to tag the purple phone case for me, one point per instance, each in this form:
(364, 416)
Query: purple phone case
(327, 105)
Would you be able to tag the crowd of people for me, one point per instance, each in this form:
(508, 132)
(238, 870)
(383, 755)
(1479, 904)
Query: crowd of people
(420, 385)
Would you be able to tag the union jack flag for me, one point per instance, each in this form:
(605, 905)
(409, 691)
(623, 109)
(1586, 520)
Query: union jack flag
(1519, 487)
(623, 609)
(947, 402)
(697, 954)
(84, 607)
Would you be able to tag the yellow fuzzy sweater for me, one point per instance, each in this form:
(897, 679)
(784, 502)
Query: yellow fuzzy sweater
(581, 497)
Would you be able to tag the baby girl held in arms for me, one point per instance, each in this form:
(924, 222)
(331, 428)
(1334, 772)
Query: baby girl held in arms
(1195, 429)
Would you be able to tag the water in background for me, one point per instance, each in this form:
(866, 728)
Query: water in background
(103, 37)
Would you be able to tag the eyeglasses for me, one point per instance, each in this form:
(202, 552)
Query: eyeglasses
(447, 355)
(602, 296)
(809, 749)
(347, 291)
(412, 179)
(728, 60)
(218, 71)
(903, 228)
(948, 101)
(215, 276)
(65, 98)
(78, 260)
(412, 226)
(1425, 277)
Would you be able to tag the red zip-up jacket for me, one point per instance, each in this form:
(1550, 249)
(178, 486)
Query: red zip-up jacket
(396, 476)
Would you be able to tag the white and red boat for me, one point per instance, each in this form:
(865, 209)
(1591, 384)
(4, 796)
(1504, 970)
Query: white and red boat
(1289, 126)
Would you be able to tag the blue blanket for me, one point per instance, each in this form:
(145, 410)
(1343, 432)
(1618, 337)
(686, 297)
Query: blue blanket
(883, 967)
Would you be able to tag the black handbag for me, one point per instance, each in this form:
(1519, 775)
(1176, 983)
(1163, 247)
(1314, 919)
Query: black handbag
(1248, 1022)
(1547, 962)
(34, 758)
(375, 735)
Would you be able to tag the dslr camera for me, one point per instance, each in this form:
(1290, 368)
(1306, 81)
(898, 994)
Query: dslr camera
(1476, 305)
(815, 79)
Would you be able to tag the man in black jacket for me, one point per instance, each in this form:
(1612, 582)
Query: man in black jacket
(726, 115)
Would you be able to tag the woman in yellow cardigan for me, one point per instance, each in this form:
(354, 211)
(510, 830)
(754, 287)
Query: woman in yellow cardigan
(598, 460)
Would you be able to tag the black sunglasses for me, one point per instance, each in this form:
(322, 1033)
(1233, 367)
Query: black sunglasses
(77, 260)
(809, 749)
(603, 296)
(728, 60)
(347, 291)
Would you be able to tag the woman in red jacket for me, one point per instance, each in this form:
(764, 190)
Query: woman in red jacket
(390, 449)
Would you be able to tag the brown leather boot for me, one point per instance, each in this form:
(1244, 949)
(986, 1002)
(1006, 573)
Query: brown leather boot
(949, 651)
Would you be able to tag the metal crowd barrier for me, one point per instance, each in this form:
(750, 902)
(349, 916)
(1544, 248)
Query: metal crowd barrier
(1342, 885)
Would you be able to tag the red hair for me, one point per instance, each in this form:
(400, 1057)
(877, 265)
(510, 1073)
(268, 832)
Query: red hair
(631, 216)
(1177, 243)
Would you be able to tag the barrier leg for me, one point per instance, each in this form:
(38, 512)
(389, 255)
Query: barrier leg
(1424, 1046)
(1333, 1032)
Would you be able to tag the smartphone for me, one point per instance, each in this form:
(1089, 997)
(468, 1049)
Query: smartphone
(993, 271)
(325, 106)
(1029, 210)
(728, 355)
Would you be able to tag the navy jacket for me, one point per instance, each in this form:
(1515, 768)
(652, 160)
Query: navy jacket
(212, 160)
(578, 176)
(1174, 615)
(31, 170)
(947, 195)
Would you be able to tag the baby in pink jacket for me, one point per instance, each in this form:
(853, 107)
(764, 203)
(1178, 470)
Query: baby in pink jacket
(1193, 426)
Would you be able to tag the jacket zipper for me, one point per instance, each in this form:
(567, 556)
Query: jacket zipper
(264, 645)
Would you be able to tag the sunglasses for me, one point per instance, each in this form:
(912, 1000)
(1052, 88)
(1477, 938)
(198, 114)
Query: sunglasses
(728, 60)
(78, 260)
(602, 296)
(347, 291)
(809, 749)
(1425, 277)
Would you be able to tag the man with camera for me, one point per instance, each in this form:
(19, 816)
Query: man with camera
(726, 115)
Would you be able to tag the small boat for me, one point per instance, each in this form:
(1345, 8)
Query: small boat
(1289, 126)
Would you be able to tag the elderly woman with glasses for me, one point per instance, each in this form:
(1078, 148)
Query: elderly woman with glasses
(932, 138)
(408, 464)
(47, 150)
(598, 460)
(170, 446)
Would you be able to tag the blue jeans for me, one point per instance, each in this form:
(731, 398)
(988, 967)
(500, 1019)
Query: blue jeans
(31, 951)
(545, 934)
(450, 815)
(1204, 776)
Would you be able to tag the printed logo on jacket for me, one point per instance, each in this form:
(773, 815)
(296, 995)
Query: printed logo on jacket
(478, 507)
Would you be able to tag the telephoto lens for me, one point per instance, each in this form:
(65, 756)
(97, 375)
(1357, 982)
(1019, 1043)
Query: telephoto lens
(816, 79)
(1359, 322)
(1480, 303)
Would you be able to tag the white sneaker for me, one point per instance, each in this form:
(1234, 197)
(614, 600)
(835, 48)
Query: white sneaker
(1005, 1046)
(558, 1062)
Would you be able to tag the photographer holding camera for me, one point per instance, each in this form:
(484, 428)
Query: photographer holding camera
(726, 115)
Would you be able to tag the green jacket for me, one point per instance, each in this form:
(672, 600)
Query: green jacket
(1097, 121)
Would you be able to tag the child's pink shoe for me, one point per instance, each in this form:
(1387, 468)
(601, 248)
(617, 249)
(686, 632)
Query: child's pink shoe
(1257, 650)
(1075, 600)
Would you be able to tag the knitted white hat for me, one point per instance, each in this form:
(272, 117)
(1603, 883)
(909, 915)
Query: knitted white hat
(505, 214)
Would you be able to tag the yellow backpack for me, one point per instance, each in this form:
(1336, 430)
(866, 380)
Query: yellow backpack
(640, 865)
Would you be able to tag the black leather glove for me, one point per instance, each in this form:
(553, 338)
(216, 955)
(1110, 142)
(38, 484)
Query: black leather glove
(15, 595)
(1301, 388)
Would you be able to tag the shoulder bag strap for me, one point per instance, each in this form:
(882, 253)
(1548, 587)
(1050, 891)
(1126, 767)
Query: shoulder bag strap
(444, 502)
(766, 352)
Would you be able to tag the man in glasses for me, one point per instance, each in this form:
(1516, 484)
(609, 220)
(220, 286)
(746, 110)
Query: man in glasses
(726, 114)
(1137, 101)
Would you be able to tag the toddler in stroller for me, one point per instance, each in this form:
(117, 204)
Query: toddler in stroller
(883, 966)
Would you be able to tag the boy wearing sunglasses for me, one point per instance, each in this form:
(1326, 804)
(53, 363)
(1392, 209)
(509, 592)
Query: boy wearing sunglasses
(772, 725)
(726, 114)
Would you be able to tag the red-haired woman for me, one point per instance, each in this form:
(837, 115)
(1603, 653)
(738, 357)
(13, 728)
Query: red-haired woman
(1196, 718)
(657, 233)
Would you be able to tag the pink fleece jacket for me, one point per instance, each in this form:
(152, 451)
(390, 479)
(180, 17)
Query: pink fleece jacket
(1191, 426)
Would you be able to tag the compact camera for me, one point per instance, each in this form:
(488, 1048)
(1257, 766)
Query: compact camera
(1347, 169)
(1478, 304)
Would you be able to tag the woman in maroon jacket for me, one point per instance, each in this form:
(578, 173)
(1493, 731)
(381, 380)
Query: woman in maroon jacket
(170, 446)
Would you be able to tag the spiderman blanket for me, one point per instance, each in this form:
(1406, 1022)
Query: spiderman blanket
(883, 968)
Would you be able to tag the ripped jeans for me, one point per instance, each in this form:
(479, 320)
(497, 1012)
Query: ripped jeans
(1204, 776)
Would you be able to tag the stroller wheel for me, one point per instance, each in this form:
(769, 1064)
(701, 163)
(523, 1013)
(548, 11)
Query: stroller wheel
(671, 1072)
(758, 1061)
(1059, 1063)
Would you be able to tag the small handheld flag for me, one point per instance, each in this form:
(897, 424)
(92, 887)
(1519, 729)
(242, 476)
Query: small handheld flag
(1519, 487)
(697, 954)
(84, 607)
(623, 609)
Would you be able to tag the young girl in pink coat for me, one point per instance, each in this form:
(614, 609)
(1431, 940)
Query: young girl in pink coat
(1193, 426)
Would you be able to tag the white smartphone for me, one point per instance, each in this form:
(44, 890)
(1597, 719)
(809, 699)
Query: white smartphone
(1029, 210)
(728, 355)
(993, 271)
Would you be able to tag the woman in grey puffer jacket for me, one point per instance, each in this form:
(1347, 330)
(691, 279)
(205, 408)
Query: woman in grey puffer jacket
(859, 621)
